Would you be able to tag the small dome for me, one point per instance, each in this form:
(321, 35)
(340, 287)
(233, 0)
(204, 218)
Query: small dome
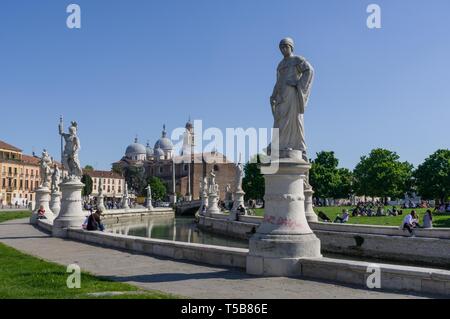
(164, 143)
(135, 149)
(158, 153)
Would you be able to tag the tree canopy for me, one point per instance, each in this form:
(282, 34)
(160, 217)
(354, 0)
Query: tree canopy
(327, 180)
(432, 177)
(382, 174)
(87, 181)
(159, 189)
(135, 179)
(253, 182)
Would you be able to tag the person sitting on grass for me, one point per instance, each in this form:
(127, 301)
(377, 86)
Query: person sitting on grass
(393, 212)
(380, 211)
(428, 219)
(410, 222)
(345, 217)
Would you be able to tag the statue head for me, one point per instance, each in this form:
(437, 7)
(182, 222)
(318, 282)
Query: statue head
(287, 47)
(73, 128)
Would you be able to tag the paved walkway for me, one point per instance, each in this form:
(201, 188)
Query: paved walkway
(181, 278)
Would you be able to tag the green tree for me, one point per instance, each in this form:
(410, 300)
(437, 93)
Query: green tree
(327, 180)
(88, 168)
(253, 182)
(344, 187)
(381, 174)
(87, 181)
(159, 188)
(135, 179)
(432, 177)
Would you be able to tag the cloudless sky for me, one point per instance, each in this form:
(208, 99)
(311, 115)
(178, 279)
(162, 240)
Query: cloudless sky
(135, 65)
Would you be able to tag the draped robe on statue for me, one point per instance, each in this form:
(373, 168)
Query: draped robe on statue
(290, 96)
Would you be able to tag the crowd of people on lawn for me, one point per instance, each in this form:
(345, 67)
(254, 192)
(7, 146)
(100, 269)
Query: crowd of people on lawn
(409, 222)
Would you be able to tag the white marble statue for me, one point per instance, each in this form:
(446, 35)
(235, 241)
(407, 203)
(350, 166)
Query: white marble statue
(149, 192)
(228, 191)
(45, 165)
(100, 188)
(56, 178)
(71, 149)
(213, 187)
(289, 99)
(239, 176)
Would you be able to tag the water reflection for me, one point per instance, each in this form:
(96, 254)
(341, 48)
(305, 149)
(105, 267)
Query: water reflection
(169, 228)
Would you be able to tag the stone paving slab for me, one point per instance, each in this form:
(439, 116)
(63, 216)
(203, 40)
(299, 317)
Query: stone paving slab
(170, 276)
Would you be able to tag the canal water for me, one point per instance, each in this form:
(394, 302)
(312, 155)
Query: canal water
(182, 229)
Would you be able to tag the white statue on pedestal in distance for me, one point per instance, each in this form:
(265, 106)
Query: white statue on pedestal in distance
(71, 150)
(45, 166)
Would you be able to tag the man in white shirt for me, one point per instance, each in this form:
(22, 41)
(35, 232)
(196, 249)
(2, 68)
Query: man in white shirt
(345, 217)
(410, 222)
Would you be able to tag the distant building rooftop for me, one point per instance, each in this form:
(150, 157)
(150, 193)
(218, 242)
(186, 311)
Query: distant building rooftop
(102, 174)
(9, 147)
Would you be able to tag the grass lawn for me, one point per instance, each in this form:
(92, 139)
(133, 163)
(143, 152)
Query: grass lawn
(439, 220)
(4, 216)
(24, 276)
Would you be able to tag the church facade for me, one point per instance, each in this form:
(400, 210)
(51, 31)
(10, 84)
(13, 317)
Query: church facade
(183, 173)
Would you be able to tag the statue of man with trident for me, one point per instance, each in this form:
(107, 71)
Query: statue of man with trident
(71, 149)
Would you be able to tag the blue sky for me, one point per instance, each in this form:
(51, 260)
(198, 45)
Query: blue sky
(135, 65)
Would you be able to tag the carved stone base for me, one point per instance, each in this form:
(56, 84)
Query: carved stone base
(42, 199)
(238, 201)
(149, 205)
(311, 216)
(278, 255)
(71, 213)
(125, 204)
(173, 199)
(55, 203)
(101, 203)
(213, 207)
(284, 236)
(204, 206)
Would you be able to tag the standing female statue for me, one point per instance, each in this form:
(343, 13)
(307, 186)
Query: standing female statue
(45, 165)
(289, 99)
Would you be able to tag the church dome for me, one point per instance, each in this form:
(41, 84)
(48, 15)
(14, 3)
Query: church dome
(158, 153)
(164, 143)
(135, 150)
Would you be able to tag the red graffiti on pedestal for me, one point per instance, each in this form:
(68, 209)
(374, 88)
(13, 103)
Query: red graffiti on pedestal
(282, 221)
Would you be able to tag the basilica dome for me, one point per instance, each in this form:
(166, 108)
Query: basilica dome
(136, 151)
(164, 142)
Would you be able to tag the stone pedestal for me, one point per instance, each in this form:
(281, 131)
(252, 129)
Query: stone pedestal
(42, 199)
(284, 235)
(173, 199)
(311, 216)
(149, 205)
(55, 203)
(238, 201)
(101, 203)
(204, 204)
(125, 202)
(213, 207)
(71, 213)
